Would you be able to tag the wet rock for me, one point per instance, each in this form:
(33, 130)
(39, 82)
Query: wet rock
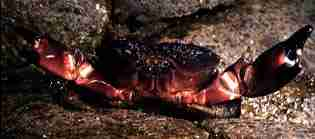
(71, 22)
(309, 12)
(248, 128)
(145, 18)
(152, 10)
(44, 120)
(309, 60)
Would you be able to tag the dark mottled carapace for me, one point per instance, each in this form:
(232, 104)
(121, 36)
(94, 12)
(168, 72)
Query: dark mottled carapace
(160, 66)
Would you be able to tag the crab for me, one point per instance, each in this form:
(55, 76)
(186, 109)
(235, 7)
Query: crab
(179, 73)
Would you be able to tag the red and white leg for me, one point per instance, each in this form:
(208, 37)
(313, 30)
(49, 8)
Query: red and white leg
(73, 66)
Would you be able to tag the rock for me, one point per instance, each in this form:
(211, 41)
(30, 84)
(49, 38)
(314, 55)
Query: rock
(148, 10)
(44, 120)
(71, 22)
(248, 128)
(309, 60)
(136, 14)
(309, 12)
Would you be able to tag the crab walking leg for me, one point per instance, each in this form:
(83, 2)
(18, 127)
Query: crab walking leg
(73, 66)
(224, 88)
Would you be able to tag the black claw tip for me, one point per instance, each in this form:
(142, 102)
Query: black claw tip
(309, 28)
(306, 29)
(299, 37)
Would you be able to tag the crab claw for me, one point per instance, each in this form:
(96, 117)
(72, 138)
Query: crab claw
(276, 66)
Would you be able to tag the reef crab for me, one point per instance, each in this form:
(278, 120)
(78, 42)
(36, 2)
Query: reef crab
(183, 74)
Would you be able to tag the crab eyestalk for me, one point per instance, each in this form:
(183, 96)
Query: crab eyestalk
(277, 66)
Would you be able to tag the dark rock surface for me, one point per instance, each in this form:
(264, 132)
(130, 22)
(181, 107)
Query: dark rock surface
(44, 120)
(76, 23)
(152, 10)
(145, 18)
(250, 128)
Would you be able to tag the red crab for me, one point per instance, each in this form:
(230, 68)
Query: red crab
(183, 74)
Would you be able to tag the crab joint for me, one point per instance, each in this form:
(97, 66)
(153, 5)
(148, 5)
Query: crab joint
(85, 70)
(70, 67)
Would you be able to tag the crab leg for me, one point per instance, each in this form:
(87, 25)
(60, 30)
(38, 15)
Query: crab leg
(73, 66)
(224, 87)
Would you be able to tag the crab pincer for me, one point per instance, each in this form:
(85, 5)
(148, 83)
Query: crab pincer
(72, 65)
(278, 65)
